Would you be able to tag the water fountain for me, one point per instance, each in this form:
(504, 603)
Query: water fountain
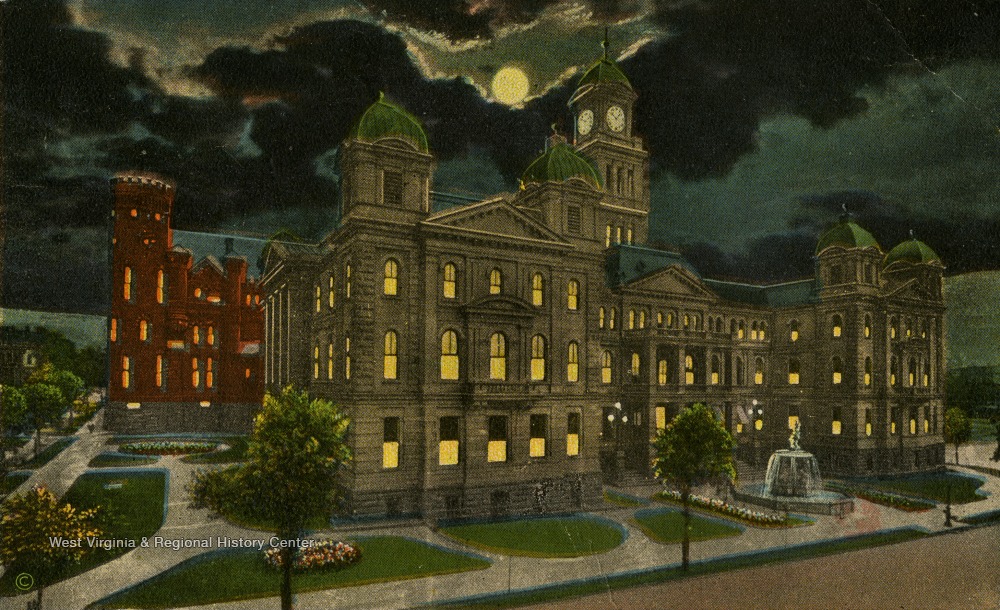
(793, 483)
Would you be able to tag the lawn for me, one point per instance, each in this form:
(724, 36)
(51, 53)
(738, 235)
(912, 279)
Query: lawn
(121, 460)
(624, 500)
(667, 526)
(567, 536)
(130, 512)
(237, 452)
(932, 485)
(46, 455)
(12, 481)
(228, 576)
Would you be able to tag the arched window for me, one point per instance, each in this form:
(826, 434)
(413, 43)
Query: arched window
(329, 360)
(195, 373)
(537, 290)
(662, 371)
(498, 357)
(837, 325)
(758, 375)
(670, 319)
(391, 283)
(618, 234)
(572, 295)
(449, 355)
(606, 367)
(687, 321)
(659, 318)
(923, 329)
(741, 330)
(893, 371)
(611, 319)
(636, 362)
(642, 318)
(793, 371)
(496, 281)
(390, 357)
(868, 326)
(318, 298)
(209, 373)
(114, 329)
(573, 362)
(868, 371)
(347, 281)
(740, 373)
(711, 325)
(753, 331)
(127, 285)
(688, 370)
(600, 318)
(126, 372)
(838, 370)
(893, 327)
(538, 358)
(631, 319)
(607, 237)
(763, 331)
(210, 336)
(719, 326)
(347, 358)
(159, 371)
(912, 372)
(449, 285)
(196, 335)
(716, 370)
(927, 374)
(331, 295)
(160, 287)
(628, 237)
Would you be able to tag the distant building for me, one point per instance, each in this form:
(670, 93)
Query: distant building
(184, 333)
(20, 354)
(508, 355)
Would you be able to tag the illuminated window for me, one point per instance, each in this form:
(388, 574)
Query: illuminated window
(793, 334)
(635, 364)
(835, 426)
(159, 371)
(316, 362)
(448, 445)
(160, 285)
(793, 371)
(631, 319)
(134, 213)
(246, 373)
(687, 320)
(741, 330)
(688, 370)
(606, 367)
(331, 292)
(572, 295)
(868, 422)
(793, 419)
(126, 372)
(573, 362)
(114, 329)
(389, 359)
(868, 371)
(127, 284)
(143, 330)
(763, 331)
(329, 360)
(716, 370)
(391, 283)
(927, 374)
(758, 375)
(347, 281)
(758, 424)
(319, 299)
(195, 373)
(197, 293)
(661, 418)
(449, 285)
(659, 318)
(607, 237)
(618, 235)
(893, 371)
(838, 370)
(539, 428)
(390, 442)
(537, 358)
(600, 318)
(838, 325)
(211, 335)
(912, 372)
(572, 434)
(209, 373)
(498, 357)
(740, 373)
(927, 424)
(753, 331)
(611, 318)
(196, 335)
(347, 357)
(496, 444)
(537, 290)
(661, 372)
(449, 355)
(893, 328)
(496, 281)
(913, 423)
(868, 326)
(739, 427)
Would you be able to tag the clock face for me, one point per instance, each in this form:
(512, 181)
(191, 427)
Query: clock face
(585, 122)
(616, 119)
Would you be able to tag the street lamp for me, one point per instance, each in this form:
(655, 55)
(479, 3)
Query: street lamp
(621, 418)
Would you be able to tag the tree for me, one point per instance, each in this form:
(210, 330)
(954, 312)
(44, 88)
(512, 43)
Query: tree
(45, 403)
(292, 472)
(13, 411)
(28, 524)
(695, 448)
(957, 428)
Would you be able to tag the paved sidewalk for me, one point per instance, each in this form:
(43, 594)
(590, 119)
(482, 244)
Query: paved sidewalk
(58, 475)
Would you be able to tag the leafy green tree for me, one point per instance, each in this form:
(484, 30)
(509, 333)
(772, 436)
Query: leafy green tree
(695, 448)
(28, 522)
(69, 385)
(292, 473)
(45, 404)
(13, 411)
(957, 428)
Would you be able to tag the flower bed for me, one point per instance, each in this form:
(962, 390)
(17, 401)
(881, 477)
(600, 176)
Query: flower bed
(881, 497)
(167, 447)
(753, 517)
(326, 554)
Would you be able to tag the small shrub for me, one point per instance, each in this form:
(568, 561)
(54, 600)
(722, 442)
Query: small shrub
(325, 554)
(167, 447)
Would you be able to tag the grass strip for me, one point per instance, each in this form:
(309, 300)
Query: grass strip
(47, 454)
(225, 576)
(605, 583)
(625, 500)
(666, 525)
(12, 481)
(566, 536)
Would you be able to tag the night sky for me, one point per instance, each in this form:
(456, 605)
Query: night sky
(762, 118)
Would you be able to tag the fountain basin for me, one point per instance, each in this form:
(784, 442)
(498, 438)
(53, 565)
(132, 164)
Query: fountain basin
(819, 502)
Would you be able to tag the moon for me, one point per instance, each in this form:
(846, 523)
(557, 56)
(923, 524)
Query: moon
(510, 85)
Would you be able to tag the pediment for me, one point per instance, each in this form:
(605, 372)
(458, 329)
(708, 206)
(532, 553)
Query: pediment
(912, 290)
(673, 280)
(500, 305)
(207, 265)
(497, 218)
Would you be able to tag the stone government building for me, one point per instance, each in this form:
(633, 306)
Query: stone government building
(509, 354)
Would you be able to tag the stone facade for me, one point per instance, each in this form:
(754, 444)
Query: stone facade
(506, 355)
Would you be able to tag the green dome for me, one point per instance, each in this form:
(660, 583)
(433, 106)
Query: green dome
(560, 163)
(384, 119)
(604, 71)
(912, 251)
(846, 234)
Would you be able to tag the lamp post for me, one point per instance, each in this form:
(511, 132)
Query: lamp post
(617, 418)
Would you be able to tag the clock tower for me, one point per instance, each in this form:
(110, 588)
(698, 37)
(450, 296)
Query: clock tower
(603, 107)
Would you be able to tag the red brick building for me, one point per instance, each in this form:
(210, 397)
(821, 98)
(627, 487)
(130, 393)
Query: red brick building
(185, 328)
